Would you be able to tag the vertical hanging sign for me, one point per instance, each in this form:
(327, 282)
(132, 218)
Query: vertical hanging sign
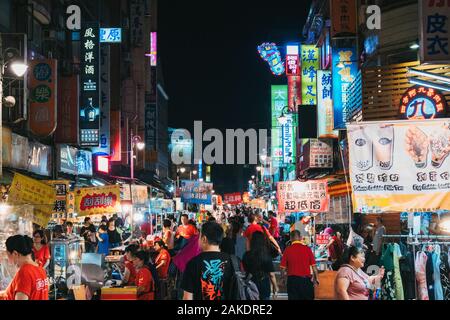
(310, 66)
(434, 31)
(89, 116)
(345, 69)
(105, 103)
(43, 88)
(325, 122)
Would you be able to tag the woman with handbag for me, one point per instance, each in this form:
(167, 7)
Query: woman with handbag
(258, 263)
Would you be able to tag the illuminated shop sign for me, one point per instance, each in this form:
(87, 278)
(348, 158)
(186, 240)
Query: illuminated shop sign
(421, 102)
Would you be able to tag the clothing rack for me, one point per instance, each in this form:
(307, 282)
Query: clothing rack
(413, 240)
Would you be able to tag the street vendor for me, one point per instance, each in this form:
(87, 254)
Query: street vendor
(144, 280)
(162, 260)
(129, 276)
(30, 282)
(41, 250)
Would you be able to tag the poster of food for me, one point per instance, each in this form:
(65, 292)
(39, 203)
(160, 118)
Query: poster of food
(401, 166)
(296, 196)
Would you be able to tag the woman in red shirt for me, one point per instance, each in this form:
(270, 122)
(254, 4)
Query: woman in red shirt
(162, 261)
(41, 250)
(144, 280)
(30, 281)
(129, 277)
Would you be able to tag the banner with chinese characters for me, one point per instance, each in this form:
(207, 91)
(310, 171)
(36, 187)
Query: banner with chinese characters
(325, 122)
(105, 103)
(420, 102)
(99, 200)
(289, 134)
(62, 187)
(279, 102)
(294, 92)
(434, 31)
(196, 192)
(28, 191)
(68, 100)
(400, 166)
(43, 96)
(89, 113)
(345, 69)
(292, 65)
(232, 198)
(343, 17)
(310, 65)
(296, 196)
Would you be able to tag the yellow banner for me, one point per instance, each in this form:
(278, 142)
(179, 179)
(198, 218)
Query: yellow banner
(25, 190)
(62, 188)
(99, 200)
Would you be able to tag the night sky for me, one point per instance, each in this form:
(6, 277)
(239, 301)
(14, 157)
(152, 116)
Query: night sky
(212, 70)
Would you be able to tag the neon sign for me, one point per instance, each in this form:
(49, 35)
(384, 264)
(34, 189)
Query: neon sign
(269, 52)
(420, 102)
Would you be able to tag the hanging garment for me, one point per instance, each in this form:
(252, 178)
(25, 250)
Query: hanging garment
(429, 271)
(388, 282)
(407, 273)
(445, 275)
(420, 264)
(438, 292)
(399, 294)
(388, 286)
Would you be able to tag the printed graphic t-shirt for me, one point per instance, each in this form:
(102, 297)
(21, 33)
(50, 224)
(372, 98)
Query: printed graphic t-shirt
(31, 281)
(208, 276)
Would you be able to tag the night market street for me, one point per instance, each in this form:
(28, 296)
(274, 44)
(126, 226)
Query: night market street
(224, 158)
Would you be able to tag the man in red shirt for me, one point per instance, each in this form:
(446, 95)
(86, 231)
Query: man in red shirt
(254, 226)
(185, 230)
(297, 262)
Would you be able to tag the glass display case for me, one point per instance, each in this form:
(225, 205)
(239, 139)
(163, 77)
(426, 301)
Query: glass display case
(13, 220)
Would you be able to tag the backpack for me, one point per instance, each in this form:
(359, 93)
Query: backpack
(243, 287)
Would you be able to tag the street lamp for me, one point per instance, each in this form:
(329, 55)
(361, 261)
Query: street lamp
(192, 172)
(135, 140)
(283, 119)
(18, 68)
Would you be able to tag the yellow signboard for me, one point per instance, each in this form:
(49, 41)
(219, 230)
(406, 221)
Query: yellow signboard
(62, 188)
(25, 190)
(99, 200)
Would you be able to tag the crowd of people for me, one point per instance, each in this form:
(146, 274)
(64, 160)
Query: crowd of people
(197, 261)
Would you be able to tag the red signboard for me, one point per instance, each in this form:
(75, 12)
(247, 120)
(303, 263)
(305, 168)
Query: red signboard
(322, 239)
(296, 196)
(292, 65)
(68, 97)
(294, 92)
(232, 198)
(420, 103)
(42, 82)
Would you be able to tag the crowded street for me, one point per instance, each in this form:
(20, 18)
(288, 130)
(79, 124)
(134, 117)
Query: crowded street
(168, 150)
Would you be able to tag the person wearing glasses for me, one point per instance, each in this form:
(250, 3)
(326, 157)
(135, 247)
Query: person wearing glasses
(40, 249)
